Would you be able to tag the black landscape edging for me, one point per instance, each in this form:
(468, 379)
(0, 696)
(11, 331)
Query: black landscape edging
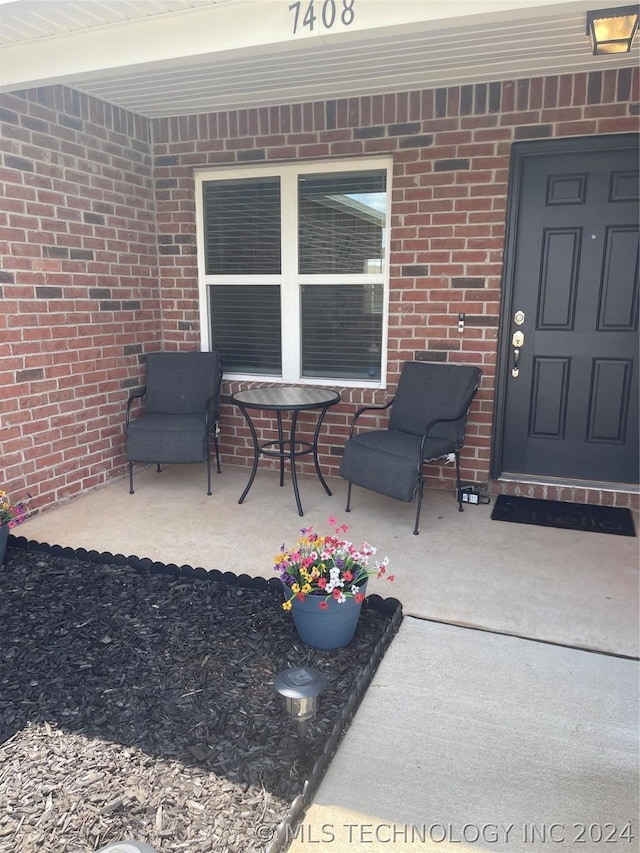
(390, 607)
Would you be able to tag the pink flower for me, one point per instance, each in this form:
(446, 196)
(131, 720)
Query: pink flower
(359, 597)
(323, 605)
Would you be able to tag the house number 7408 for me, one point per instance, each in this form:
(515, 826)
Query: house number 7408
(324, 14)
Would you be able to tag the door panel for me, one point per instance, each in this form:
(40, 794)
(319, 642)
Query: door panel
(570, 408)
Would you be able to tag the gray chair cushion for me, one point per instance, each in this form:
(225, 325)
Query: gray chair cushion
(167, 438)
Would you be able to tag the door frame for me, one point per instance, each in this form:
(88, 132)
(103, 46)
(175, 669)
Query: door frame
(521, 152)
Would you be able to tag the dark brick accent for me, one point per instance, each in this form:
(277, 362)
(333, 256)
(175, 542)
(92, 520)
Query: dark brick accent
(169, 250)
(132, 349)
(163, 239)
(167, 160)
(531, 131)
(6, 277)
(336, 451)
(125, 384)
(81, 254)
(423, 141)
(69, 121)
(481, 320)
(183, 238)
(48, 293)
(166, 183)
(441, 103)
(634, 109)
(93, 218)
(466, 100)
(415, 269)
(110, 305)
(369, 132)
(480, 98)
(183, 326)
(30, 374)
(1, 292)
(454, 165)
(468, 282)
(429, 355)
(404, 129)
(495, 97)
(99, 292)
(55, 252)
(9, 116)
(20, 163)
(35, 124)
(623, 90)
(594, 87)
(131, 305)
(330, 115)
(252, 154)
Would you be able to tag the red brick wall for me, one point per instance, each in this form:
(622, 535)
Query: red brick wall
(450, 149)
(97, 231)
(79, 297)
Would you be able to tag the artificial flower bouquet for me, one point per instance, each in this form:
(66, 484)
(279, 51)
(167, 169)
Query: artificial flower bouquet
(11, 514)
(327, 567)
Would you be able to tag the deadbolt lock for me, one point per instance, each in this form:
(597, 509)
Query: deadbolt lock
(518, 339)
(518, 318)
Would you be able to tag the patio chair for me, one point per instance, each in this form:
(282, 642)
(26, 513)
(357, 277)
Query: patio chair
(181, 411)
(427, 422)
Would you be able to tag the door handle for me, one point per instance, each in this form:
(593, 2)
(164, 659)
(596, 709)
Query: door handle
(517, 342)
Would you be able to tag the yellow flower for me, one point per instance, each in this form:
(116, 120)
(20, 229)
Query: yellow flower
(286, 605)
(306, 588)
(295, 587)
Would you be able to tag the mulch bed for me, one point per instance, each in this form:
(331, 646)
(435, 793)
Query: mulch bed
(137, 702)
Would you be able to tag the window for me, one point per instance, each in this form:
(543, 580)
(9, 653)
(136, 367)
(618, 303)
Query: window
(293, 265)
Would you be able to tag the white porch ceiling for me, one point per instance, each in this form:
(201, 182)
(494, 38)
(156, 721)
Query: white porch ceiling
(181, 57)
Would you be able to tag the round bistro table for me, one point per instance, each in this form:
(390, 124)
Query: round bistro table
(279, 399)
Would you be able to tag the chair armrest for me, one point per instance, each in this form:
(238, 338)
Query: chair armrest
(361, 411)
(135, 395)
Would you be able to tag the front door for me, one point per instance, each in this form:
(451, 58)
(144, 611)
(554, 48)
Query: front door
(567, 397)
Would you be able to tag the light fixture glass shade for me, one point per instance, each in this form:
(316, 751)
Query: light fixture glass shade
(612, 30)
(301, 688)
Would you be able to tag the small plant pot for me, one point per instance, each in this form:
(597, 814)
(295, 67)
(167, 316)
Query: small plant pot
(332, 628)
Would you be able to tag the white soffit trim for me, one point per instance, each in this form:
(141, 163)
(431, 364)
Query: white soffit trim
(173, 57)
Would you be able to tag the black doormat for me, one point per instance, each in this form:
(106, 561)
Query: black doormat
(569, 516)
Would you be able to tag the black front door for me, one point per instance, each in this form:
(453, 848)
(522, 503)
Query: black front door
(567, 398)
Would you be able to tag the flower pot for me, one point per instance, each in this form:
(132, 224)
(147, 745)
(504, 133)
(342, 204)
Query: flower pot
(4, 535)
(332, 628)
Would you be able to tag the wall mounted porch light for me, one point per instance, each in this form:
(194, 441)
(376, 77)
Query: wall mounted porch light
(612, 30)
(301, 688)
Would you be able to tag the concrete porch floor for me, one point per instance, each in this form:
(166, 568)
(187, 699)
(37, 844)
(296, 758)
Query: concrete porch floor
(509, 696)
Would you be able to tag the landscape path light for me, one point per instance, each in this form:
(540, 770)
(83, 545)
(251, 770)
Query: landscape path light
(301, 688)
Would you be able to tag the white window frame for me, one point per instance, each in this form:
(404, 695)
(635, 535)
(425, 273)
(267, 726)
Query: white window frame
(289, 280)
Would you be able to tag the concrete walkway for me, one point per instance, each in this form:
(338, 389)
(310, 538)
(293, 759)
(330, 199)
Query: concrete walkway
(503, 717)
